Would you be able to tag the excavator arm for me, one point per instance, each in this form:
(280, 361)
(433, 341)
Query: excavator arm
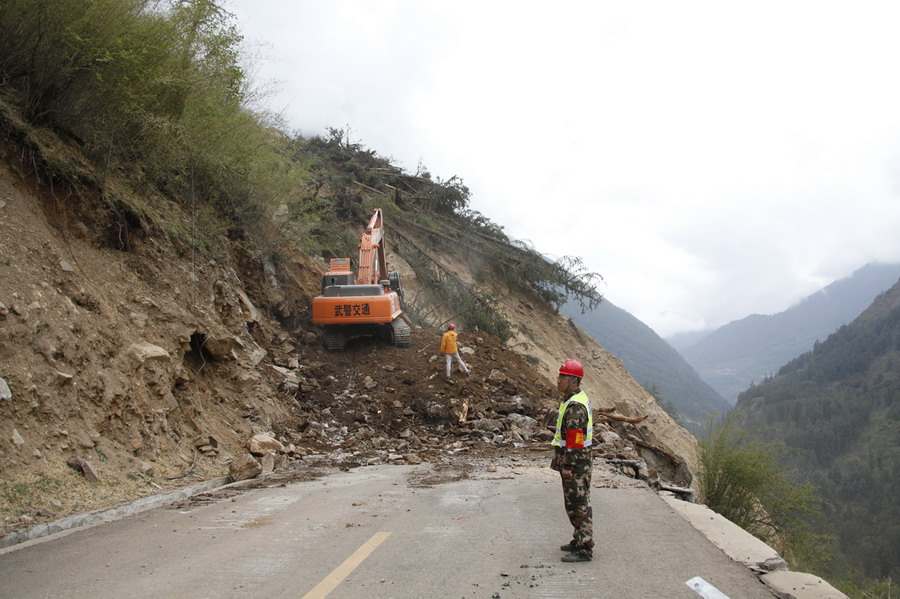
(372, 262)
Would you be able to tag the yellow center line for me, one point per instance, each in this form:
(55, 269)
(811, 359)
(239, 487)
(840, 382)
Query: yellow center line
(337, 576)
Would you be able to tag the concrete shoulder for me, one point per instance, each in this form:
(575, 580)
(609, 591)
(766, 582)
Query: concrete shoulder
(744, 548)
(801, 586)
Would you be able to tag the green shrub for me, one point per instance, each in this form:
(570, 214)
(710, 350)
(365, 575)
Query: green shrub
(741, 478)
(153, 93)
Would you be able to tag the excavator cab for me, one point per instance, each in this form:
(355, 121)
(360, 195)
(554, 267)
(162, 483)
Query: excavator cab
(338, 274)
(368, 304)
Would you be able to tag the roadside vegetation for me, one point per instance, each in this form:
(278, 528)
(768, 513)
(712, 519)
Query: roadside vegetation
(837, 408)
(745, 480)
(742, 479)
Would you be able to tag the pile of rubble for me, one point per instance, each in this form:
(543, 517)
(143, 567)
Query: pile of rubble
(376, 403)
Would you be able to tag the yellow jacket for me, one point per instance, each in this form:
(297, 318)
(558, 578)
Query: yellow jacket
(448, 343)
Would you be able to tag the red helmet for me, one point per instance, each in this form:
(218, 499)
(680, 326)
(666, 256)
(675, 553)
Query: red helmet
(451, 326)
(572, 368)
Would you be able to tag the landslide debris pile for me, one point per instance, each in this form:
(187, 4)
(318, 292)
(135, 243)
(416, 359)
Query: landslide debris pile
(378, 403)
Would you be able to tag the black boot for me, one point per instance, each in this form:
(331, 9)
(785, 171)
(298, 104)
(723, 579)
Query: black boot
(577, 556)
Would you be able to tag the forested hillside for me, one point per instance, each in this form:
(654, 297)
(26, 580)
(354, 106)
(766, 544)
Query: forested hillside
(745, 351)
(652, 362)
(838, 408)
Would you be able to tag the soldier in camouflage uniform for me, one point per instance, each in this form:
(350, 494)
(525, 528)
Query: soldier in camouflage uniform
(572, 459)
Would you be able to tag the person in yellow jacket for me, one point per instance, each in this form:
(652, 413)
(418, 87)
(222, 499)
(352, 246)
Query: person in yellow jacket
(451, 351)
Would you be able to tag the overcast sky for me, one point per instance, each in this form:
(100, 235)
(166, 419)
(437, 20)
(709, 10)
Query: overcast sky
(709, 159)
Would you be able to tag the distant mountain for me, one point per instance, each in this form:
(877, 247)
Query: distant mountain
(651, 361)
(745, 351)
(682, 341)
(838, 409)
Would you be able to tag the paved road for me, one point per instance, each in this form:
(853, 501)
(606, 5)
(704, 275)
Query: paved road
(385, 532)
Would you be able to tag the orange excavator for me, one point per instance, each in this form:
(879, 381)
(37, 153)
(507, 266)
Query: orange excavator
(370, 305)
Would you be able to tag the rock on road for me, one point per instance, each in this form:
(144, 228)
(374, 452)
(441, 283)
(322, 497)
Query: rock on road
(463, 530)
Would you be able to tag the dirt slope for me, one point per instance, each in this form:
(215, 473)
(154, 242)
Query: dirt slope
(158, 369)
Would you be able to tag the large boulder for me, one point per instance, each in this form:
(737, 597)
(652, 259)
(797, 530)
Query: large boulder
(141, 352)
(261, 443)
(243, 468)
(222, 348)
(85, 467)
(487, 425)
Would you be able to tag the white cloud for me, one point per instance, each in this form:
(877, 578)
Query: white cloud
(710, 160)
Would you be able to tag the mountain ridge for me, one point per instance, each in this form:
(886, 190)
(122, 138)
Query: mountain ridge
(745, 351)
(651, 361)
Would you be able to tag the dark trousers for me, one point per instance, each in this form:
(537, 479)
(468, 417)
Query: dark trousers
(577, 498)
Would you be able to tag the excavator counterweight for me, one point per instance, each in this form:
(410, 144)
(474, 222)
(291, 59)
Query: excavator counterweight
(368, 304)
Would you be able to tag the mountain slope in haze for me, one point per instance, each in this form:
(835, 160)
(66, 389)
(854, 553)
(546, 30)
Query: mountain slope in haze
(650, 360)
(745, 351)
(686, 339)
(838, 409)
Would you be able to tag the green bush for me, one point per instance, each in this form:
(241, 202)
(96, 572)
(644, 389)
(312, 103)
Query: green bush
(741, 478)
(152, 93)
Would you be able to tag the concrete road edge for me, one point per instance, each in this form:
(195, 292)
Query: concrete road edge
(742, 547)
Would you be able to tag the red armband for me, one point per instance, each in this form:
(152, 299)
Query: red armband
(575, 438)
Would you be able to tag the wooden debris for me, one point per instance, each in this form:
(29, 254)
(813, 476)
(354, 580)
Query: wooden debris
(672, 457)
(463, 412)
(623, 462)
(683, 493)
(610, 417)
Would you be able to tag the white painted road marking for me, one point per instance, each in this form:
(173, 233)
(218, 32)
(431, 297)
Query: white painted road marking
(704, 589)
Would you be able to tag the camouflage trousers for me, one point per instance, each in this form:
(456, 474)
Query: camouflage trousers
(577, 498)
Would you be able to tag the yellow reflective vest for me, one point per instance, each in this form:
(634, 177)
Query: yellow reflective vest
(559, 440)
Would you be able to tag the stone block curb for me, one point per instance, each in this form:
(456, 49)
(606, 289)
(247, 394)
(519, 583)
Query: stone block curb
(797, 585)
(108, 514)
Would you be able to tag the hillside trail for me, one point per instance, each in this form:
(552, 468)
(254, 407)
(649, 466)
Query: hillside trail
(158, 368)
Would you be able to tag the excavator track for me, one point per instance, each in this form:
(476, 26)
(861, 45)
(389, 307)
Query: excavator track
(401, 335)
(335, 340)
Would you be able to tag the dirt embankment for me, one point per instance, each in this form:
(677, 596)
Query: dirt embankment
(158, 368)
